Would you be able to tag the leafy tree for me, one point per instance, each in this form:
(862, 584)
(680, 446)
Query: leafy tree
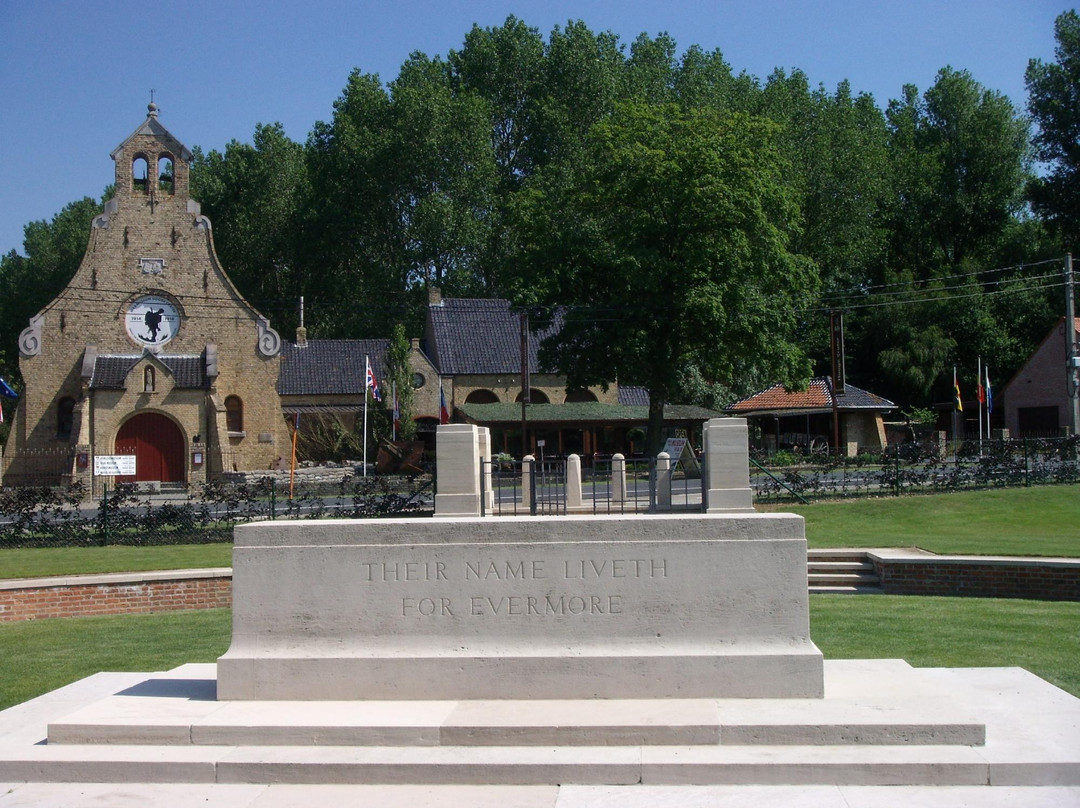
(1054, 103)
(255, 195)
(670, 248)
(399, 374)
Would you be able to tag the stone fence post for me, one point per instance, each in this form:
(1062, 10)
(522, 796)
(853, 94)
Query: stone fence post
(528, 469)
(618, 477)
(725, 475)
(458, 451)
(573, 483)
(663, 481)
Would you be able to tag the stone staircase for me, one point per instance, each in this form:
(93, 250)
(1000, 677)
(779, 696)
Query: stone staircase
(842, 572)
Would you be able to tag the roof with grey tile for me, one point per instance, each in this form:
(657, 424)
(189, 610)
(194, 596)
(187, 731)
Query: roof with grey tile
(580, 412)
(188, 372)
(330, 366)
(478, 336)
(817, 397)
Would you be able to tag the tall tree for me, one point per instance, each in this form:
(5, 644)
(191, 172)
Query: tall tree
(670, 248)
(256, 196)
(1054, 103)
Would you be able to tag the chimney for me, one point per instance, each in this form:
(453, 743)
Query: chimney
(434, 295)
(301, 332)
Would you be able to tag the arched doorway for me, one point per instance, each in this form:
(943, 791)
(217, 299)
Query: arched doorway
(158, 446)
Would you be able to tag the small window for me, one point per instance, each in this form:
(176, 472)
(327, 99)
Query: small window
(418, 380)
(65, 416)
(148, 380)
(234, 414)
(579, 395)
(166, 179)
(481, 397)
(535, 396)
(139, 172)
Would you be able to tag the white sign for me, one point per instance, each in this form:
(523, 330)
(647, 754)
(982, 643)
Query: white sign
(114, 465)
(675, 448)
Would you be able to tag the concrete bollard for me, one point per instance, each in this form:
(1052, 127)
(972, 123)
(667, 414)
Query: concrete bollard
(618, 478)
(573, 483)
(663, 481)
(528, 468)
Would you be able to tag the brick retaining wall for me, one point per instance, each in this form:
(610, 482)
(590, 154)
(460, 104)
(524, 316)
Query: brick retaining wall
(917, 573)
(127, 593)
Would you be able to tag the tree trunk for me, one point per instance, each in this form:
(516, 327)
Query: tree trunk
(655, 439)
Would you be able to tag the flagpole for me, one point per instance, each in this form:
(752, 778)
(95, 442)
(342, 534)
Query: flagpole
(980, 399)
(989, 398)
(367, 369)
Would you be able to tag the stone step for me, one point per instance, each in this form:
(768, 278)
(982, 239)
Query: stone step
(840, 566)
(520, 765)
(842, 572)
(846, 590)
(843, 579)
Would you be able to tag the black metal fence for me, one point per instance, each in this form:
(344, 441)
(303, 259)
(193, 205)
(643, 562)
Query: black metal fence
(51, 516)
(909, 468)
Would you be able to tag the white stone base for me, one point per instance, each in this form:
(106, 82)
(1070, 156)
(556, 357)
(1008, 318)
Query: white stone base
(522, 608)
(881, 723)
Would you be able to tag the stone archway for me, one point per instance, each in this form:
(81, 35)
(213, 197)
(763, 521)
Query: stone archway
(158, 446)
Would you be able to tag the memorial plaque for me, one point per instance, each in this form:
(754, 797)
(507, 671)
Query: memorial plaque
(523, 607)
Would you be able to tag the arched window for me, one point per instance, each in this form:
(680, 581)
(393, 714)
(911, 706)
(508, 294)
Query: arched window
(139, 172)
(234, 414)
(579, 395)
(148, 379)
(65, 415)
(535, 396)
(481, 397)
(166, 180)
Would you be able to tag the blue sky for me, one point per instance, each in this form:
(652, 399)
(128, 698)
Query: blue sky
(76, 75)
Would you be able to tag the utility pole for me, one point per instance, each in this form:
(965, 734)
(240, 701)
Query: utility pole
(1072, 360)
(525, 382)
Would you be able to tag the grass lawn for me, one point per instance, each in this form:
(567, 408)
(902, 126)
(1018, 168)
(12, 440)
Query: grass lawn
(1039, 521)
(40, 655)
(47, 561)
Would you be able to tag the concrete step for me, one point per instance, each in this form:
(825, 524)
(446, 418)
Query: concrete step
(845, 590)
(881, 722)
(843, 572)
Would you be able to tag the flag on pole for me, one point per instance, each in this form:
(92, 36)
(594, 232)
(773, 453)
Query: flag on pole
(6, 390)
(958, 405)
(989, 393)
(444, 414)
(372, 382)
(1, 413)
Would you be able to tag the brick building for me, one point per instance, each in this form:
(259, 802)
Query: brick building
(150, 350)
(1036, 399)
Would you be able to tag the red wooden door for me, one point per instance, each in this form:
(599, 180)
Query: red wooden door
(158, 446)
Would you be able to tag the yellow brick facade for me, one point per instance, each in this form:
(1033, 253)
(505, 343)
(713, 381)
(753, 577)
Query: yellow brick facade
(151, 250)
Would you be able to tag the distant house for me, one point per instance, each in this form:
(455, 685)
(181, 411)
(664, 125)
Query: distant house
(787, 419)
(476, 346)
(1036, 400)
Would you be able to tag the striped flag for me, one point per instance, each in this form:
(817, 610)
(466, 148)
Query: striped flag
(989, 393)
(444, 414)
(958, 405)
(372, 382)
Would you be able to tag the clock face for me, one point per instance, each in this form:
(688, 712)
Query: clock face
(152, 320)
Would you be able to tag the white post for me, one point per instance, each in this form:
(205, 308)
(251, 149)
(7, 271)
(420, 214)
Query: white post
(725, 482)
(528, 463)
(457, 469)
(663, 481)
(573, 483)
(618, 478)
(484, 436)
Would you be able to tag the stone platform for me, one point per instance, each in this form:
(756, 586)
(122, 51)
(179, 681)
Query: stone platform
(880, 723)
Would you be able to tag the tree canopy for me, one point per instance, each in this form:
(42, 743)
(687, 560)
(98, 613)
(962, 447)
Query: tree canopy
(716, 216)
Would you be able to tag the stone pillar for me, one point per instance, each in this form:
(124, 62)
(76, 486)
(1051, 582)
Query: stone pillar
(457, 466)
(663, 481)
(528, 468)
(573, 483)
(725, 479)
(618, 478)
(485, 469)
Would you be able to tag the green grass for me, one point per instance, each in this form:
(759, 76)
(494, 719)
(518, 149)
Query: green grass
(40, 655)
(48, 561)
(37, 656)
(1039, 521)
(1040, 636)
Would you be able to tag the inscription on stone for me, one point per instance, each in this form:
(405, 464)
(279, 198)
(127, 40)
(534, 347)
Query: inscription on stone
(550, 603)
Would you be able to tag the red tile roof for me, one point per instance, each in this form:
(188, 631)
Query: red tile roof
(817, 396)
